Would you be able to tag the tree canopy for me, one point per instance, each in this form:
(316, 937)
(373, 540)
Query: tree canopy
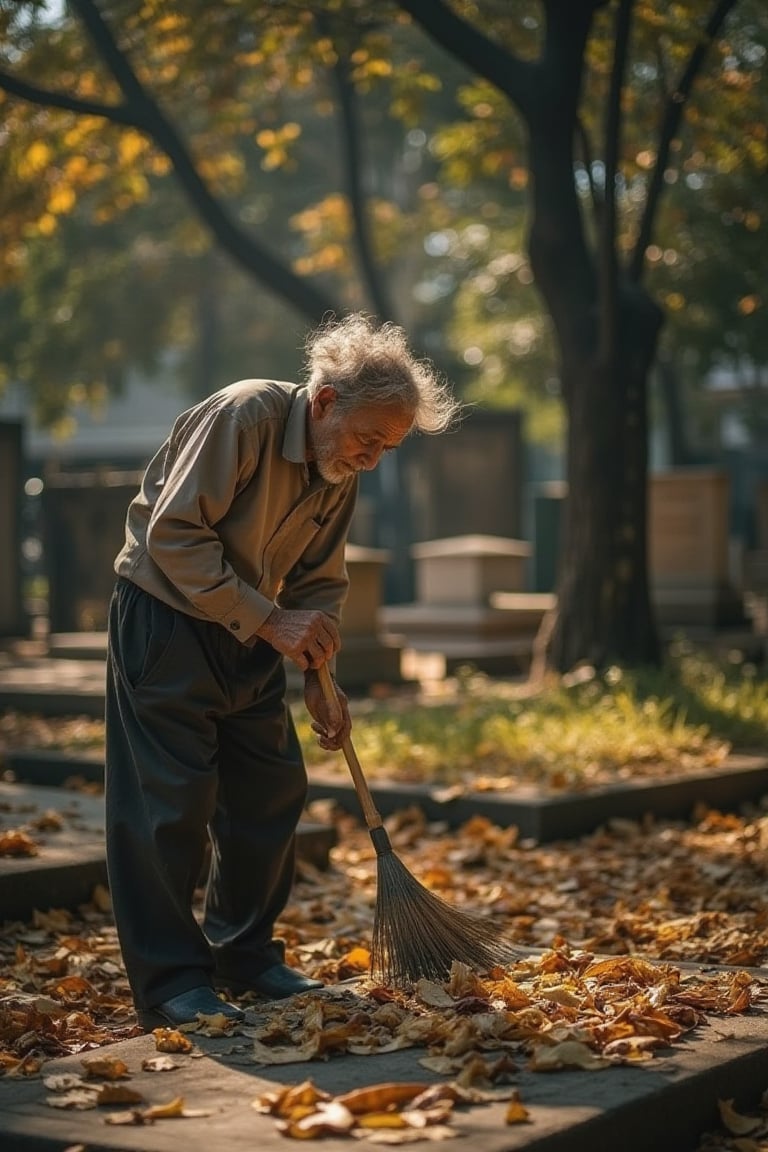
(534, 190)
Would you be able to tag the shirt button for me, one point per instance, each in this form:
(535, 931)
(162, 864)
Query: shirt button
(234, 625)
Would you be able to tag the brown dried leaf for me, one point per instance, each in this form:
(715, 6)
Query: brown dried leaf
(15, 842)
(105, 1068)
(118, 1094)
(171, 1040)
(379, 1097)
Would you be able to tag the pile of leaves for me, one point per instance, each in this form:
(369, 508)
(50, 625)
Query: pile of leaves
(664, 892)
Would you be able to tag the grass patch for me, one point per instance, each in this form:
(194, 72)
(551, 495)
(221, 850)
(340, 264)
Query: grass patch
(572, 733)
(569, 734)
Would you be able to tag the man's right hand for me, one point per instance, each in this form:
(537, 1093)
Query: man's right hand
(309, 638)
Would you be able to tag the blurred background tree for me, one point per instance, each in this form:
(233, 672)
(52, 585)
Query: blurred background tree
(191, 189)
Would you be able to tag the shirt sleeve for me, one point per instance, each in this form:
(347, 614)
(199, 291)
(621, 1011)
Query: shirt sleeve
(212, 462)
(319, 580)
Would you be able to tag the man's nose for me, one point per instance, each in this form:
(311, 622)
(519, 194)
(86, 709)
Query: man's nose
(372, 457)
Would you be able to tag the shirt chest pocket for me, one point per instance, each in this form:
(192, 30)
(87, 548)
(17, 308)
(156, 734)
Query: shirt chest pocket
(288, 545)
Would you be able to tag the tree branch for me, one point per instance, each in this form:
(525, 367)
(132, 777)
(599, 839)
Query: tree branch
(585, 143)
(608, 265)
(117, 113)
(670, 125)
(507, 72)
(352, 159)
(240, 245)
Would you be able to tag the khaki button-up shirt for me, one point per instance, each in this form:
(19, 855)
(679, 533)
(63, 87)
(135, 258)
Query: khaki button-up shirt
(229, 520)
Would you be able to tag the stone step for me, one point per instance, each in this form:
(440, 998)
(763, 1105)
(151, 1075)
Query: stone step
(538, 815)
(71, 860)
(665, 1104)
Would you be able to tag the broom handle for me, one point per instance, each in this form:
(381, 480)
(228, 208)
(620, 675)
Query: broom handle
(372, 817)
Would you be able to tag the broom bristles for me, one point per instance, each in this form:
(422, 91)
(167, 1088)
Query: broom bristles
(416, 934)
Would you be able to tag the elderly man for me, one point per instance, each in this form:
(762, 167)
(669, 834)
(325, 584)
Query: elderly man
(234, 559)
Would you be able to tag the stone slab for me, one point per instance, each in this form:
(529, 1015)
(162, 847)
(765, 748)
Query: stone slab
(665, 1104)
(540, 816)
(78, 645)
(548, 817)
(71, 861)
(53, 687)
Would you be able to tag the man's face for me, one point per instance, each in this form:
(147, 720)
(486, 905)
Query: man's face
(353, 440)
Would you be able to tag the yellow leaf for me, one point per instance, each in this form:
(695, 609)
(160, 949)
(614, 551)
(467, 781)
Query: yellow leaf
(381, 1120)
(378, 1097)
(736, 1123)
(36, 159)
(167, 1111)
(516, 1112)
(131, 146)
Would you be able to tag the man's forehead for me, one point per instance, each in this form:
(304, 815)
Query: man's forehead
(392, 419)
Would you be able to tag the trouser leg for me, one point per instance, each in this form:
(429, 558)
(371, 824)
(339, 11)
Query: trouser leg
(160, 791)
(198, 734)
(262, 791)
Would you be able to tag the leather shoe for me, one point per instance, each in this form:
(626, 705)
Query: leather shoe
(185, 1009)
(275, 983)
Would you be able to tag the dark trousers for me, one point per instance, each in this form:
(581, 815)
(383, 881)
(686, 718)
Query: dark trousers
(200, 746)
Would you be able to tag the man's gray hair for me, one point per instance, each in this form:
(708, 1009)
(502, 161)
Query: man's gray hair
(370, 363)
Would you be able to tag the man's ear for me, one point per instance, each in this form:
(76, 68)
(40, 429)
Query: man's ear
(323, 401)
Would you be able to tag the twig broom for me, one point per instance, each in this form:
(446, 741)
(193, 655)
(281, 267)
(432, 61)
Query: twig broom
(415, 933)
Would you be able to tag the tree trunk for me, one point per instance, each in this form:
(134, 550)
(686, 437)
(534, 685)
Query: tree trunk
(604, 610)
(670, 391)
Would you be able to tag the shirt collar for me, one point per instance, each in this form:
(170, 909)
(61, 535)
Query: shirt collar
(295, 439)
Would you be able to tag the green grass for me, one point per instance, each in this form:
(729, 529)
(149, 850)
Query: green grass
(572, 733)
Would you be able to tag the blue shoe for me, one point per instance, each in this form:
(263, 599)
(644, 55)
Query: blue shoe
(275, 983)
(185, 1009)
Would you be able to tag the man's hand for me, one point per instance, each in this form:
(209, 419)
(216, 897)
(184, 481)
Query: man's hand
(309, 638)
(332, 725)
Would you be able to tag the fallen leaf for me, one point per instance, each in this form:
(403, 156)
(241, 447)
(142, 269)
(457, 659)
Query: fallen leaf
(434, 994)
(380, 1097)
(159, 1064)
(105, 1068)
(171, 1040)
(80, 1099)
(14, 842)
(734, 1121)
(516, 1112)
(569, 1054)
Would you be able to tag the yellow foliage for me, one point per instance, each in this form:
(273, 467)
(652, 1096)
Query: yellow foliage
(46, 225)
(75, 168)
(131, 146)
(275, 158)
(36, 160)
(159, 164)
(61, 200)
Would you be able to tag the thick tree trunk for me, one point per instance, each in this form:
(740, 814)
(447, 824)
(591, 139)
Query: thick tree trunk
(604, 610)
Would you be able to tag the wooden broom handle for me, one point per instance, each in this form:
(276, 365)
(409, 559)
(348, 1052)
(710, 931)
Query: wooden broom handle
(372, 817)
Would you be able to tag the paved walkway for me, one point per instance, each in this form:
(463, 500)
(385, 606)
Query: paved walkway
(71, 859)
(663, 1105)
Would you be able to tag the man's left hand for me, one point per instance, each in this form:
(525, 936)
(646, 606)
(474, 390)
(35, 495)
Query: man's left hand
(332, 725)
